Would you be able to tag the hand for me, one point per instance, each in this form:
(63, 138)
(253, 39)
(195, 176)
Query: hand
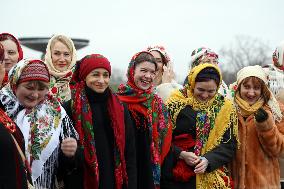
(201, 166)
(69, 147)
(190, 158)
(261, 115)
(168, 74)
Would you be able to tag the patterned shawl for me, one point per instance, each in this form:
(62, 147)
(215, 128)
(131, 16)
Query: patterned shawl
(213, 119)
(156, 118)
(83, 121)
(59, 80)
(41, 127)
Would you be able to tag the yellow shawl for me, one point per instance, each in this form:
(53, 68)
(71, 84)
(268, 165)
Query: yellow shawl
(225, 117)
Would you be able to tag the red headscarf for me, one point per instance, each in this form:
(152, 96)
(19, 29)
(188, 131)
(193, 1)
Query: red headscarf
(155, 117)
(6, 36)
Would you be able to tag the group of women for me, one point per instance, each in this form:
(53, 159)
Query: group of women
(62, 126)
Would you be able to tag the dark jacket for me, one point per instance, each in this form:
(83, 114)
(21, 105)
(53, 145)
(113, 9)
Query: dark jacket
(219, 156)
(104, 140)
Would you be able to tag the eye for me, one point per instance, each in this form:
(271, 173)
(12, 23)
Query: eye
(11, 52)
(106, 75)
(66, 54)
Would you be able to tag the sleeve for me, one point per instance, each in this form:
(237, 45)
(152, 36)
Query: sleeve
(224, 153)
(164, 90)
(271, 135)
(130, 151)
(69, 168)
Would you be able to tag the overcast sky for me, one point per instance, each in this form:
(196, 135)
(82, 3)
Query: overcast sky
(119, 28)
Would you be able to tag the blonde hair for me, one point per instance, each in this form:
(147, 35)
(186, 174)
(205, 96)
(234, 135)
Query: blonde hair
(63, 40)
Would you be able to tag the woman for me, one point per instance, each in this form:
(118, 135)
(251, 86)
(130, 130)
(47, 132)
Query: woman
(13, 53)
(152, 122)
(41, 119)
(206, 55)
(60, 59)
(13, 168)
(204, 138)
(164, 80)
(275, 71)
(105, 130)
(261, 129)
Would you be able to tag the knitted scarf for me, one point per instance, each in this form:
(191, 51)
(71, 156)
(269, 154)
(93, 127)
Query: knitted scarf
(155, 118)
(59, 80)
(213, 119)
(244, 107)
(82, 115)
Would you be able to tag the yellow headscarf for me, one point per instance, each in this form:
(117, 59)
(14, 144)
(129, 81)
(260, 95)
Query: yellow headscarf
(224, 114)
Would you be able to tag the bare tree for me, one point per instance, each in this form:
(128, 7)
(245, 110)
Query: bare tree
(117, 77)
(244, 51)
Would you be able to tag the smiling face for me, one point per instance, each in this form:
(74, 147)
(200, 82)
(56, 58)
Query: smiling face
(98, 80)
(250, 91)
(11, 55)
(31, 93)
(205, 91)
(144, 75)
(159, 61)
(61, 56)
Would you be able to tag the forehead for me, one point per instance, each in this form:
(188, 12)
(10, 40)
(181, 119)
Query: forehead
(156, 54)
(207, 85)
(146, 65)
(58, 45)
(99, 70)
(8, 43)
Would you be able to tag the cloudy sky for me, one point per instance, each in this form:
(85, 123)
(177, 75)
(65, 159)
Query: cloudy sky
(120, 28)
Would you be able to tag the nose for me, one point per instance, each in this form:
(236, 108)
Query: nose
(61, 58)
(204, 96)
(251, 92)
(101, 79)
(35, 94)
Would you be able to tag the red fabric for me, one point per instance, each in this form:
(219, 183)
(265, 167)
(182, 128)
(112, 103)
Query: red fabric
(84, 124)
(35, 70)
(182, 172)
(3, 37)
(91, 62)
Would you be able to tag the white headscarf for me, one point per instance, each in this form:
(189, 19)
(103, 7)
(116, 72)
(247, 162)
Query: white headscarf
(258, 71)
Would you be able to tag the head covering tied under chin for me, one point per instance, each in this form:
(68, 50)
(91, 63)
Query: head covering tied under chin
(218, 112)
(258, 72)
(185, 96)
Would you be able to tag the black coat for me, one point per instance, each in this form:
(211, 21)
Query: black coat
(219, 156)
(104, 140)
(12, 174)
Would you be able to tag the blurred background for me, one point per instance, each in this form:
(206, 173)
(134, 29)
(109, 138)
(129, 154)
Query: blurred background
(243, 32)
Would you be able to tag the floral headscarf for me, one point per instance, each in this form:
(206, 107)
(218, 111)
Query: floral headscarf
(59, 81)
(155, 117)
(3, 37)
(41, 127)
(213, 119)
(198, 55)
(277, 56)
(161, 49)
